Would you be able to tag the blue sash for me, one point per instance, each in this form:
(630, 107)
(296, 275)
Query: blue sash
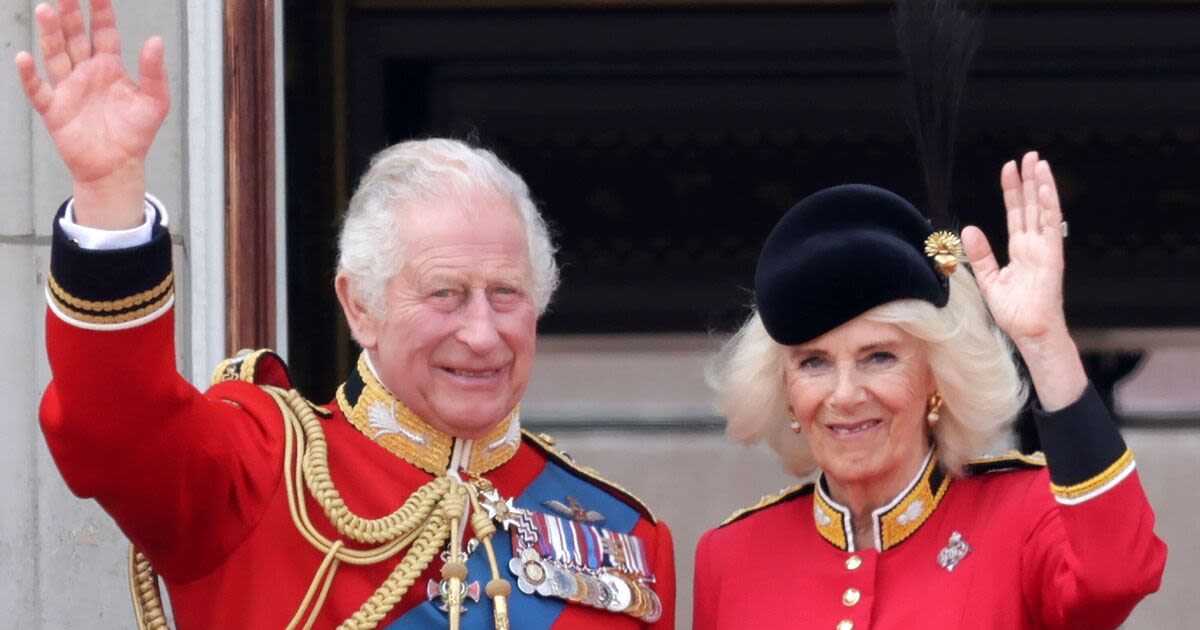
(527, 612)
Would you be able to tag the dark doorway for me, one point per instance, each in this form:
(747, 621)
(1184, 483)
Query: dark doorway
(663, 141)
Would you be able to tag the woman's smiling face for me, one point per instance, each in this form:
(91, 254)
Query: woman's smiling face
(859, 393)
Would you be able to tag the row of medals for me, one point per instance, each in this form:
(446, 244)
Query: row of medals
(604, 589)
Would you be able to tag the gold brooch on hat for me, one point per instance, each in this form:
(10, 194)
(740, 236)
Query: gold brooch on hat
(945, 249)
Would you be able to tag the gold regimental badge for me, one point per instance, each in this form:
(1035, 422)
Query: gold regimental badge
(945, 249)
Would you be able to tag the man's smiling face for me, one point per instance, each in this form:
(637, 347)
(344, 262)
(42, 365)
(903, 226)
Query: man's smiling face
(457, 337)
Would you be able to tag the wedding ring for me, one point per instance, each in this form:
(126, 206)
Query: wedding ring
(1063, 226)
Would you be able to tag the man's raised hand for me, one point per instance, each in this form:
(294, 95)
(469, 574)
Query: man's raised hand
(101, 122)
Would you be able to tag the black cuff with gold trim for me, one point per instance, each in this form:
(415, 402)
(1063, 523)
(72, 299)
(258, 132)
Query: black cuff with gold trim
(1084, 450)
(109, 287)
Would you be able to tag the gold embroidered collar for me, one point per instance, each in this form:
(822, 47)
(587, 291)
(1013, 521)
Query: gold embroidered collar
(892, 523)
(374, 411)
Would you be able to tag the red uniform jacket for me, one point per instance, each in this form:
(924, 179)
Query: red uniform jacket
(1002, 548)
(195, 479)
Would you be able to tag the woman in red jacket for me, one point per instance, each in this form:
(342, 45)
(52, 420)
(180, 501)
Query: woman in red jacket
(876, 360)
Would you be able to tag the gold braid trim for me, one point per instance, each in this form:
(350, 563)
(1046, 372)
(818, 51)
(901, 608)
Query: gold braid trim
(769, 500)
(498, 588)
(1007, 461)
(402, 577)
(1106, 476)
(399, 524)
(239, 367)
(143, 587)
(906, 517)
(116, 319)
(391, 424)
(421, 524)
(830, 520)
(110, 305)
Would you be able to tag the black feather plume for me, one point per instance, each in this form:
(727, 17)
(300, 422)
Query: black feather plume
(938, 40)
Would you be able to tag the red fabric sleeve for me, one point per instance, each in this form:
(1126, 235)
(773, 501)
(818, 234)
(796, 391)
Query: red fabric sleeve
(185, 475)
(1088, 565)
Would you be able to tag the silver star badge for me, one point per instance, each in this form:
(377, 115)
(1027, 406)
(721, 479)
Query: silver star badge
(502, 511)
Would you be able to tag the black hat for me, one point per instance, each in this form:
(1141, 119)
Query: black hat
(841, 252)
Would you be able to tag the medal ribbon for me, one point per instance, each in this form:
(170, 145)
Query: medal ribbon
(593, 546)
(639, 555)
(578, 545)
(562, 540)
(546, 547)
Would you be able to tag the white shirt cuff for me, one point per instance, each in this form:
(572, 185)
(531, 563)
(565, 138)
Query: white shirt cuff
(97, 239)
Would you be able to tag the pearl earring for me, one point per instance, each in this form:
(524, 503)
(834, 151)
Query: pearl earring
(935, 408)
(795, 424)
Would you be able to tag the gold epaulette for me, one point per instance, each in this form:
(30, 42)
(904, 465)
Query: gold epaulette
(261, 367)
(1012, 460)
(769, 500)
(545, 444)
(245, 366)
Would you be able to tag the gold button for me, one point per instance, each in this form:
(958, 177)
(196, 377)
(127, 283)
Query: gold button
(851, 596)
(845, 624)
(853, 562)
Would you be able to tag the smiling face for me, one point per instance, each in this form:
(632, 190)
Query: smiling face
(456, 340)
(859, 393)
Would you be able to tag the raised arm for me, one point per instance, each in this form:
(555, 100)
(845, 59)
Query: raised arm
(185, 474)
(101, 122)
(1026, 296)
(1092, 554)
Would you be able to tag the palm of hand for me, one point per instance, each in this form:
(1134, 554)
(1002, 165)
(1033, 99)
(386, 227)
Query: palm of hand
(1025, 297)
(100, 120)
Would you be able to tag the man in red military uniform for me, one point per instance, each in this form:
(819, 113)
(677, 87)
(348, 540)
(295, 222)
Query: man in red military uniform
(414, 499)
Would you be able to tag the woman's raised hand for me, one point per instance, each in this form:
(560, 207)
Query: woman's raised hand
(101, 122)
(1026, 295)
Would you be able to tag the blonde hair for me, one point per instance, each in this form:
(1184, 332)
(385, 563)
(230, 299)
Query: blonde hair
(971, 360)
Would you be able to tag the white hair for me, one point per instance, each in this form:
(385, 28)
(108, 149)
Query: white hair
(403, 175)
(971, 360)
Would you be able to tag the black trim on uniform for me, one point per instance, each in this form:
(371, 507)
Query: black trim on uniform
(1080, 440)
(107, 276)
(260, 361)
(1000, 464)
(936, 477)
(353, 387)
